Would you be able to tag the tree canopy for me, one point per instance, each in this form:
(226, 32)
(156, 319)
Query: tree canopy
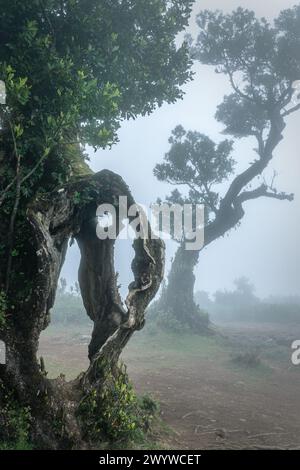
(74, 69)
(263, 57)
(262, 62)
(197, 162)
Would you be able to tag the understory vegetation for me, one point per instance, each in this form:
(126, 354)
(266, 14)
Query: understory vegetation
(14, 422)
(166, 321)
(241, 304)
(117, 414)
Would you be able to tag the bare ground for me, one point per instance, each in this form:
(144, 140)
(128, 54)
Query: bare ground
(208, 399)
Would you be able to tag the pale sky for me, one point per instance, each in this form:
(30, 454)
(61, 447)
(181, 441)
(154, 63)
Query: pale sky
(266, 246)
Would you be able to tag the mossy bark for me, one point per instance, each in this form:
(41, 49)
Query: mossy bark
(51, 221)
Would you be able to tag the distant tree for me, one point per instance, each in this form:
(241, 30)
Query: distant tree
(242, 304)
(77, 288)
(245, 287)
(73, 70)
(69, 309)
(243, 295)
(262, 63)
(202, 298)
(62, 285)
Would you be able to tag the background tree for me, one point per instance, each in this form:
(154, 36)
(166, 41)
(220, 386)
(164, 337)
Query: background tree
(262, 62)
(243, 295)
(73, 70)
(242, 305)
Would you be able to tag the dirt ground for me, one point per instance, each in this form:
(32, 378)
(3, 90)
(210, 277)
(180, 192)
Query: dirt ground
(208, 398)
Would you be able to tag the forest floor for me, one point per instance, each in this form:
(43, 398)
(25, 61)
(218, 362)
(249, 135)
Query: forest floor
(235, 390)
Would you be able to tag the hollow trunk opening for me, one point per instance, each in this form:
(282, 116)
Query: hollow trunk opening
(55, 404)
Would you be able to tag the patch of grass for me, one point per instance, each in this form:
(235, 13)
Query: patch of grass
(70, 369)
(248, 359)
(168, 349)
(249, 366)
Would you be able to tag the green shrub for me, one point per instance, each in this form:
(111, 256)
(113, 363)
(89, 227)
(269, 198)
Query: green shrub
(3, 307)
(115, 413)
(158, 320)
(248, 359)
(14, 422)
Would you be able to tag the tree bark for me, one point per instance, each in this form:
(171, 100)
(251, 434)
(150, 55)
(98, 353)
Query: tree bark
(177, 298)
(51, 221)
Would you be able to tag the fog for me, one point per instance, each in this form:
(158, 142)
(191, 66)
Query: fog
(265, 248)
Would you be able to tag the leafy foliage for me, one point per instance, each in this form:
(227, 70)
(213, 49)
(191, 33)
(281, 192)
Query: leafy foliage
(3, 307)
(262, 62)
(265, 57)
(197, 162)
(73, 70)
(14, 422)
(116, 413)
(241, 118)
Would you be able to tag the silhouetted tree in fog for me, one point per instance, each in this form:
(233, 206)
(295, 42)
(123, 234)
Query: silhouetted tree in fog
(262, 62)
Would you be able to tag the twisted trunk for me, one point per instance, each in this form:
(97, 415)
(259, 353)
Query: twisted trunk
(52, 220)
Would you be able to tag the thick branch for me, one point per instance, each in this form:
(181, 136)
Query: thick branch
(264, 191)
(243, 179)
(229, 217)
(291, 111)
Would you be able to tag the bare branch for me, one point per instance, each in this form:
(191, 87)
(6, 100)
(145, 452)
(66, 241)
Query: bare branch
(291, 111)
(264, 191)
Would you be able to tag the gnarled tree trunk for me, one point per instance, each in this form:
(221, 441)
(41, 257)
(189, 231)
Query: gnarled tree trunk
(178, 296)
(177, 299)
(52, 220)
